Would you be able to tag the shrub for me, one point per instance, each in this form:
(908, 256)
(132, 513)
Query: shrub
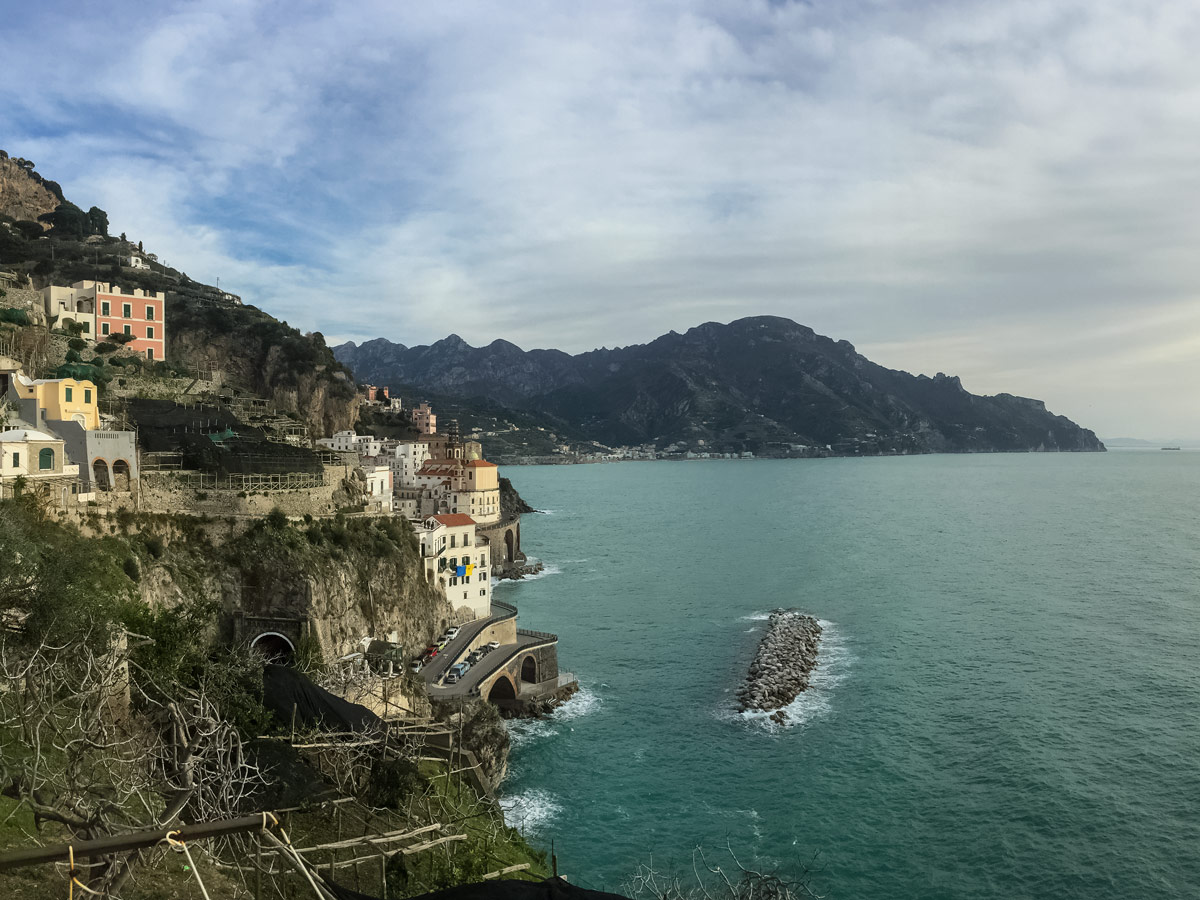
(277, 519)
(122, 338)
(106, 347)
(131, 568)
(76, 343)
(14, 316)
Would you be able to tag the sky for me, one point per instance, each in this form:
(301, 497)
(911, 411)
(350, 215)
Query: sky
(1005, 191)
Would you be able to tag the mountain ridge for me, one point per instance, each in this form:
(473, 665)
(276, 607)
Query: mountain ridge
(765, 384)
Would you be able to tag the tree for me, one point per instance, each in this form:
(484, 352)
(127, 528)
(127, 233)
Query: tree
(29, 230)
(68, 221)
(97, 221)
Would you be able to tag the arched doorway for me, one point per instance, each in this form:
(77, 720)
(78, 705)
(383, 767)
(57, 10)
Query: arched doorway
(275, 647)
(508, 546)
(100, 475)
(529, 670)
(502, 689)
(120, 475)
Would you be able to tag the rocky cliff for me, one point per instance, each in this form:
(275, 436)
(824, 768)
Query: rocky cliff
(764, 384)
(349, 579)
(296, 372)
(24, 194)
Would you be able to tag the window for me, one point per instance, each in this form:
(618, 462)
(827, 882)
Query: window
(68, 393)
(104, 326)
(46, 459)
(149, 332)
(453, 538)
(104, 310)
(127, 311)
(150, 353)
(16, 460)
(87, 395)
(87, 327)
(149, 313)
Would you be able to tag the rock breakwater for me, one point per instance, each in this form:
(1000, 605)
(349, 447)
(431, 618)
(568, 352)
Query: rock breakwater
(783, 663)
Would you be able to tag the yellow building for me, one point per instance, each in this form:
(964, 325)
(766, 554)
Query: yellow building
(61, 400)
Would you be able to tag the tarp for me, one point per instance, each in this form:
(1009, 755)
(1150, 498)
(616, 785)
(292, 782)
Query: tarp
(550, 889)
(285, 689)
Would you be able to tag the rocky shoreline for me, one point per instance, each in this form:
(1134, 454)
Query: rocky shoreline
(517, 572)
(782, 665)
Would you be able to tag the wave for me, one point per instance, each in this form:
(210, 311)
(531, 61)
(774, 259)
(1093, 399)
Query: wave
(547, 570)
(833, 664)
(531, 810)
(584, 702)
(755, 617)
(523, 732)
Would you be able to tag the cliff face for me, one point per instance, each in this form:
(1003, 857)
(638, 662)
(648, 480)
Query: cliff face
(349, 580)
(296, 372)
(761, 384)
(25, 195)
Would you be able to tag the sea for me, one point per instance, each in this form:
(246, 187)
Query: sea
(1007, 700)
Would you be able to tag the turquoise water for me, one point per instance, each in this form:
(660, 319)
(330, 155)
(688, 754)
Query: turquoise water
(1008, 703)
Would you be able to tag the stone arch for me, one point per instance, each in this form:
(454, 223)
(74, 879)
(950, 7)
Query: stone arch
(529, 669)
(275, 646)
(79, 419)
(502, 689)
(120, 475)
(508, 545)
(100, 475)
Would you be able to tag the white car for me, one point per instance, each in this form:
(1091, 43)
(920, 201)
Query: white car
(451, 634)
(493, 645)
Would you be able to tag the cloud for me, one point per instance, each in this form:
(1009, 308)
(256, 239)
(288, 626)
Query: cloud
(950, 184)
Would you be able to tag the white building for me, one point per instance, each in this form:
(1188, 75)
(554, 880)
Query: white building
(406, 461)
(458, 562)
(379, 488)
(39, 460)
(364, 445)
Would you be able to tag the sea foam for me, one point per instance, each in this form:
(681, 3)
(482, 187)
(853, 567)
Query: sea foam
(530, 811)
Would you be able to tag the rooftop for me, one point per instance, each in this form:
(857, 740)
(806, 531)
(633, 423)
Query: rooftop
(31, 434)
(453, 519)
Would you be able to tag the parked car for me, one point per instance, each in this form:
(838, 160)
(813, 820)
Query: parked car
(452, 677)
(476, 656)
(451, 634)
(441, 645)
(418, 664)
(493, 645)
(430, 652)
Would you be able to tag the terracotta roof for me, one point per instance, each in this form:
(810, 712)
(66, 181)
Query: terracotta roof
(482, 462)
(453, 519)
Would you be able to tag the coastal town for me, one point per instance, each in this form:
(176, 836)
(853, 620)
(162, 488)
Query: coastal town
(80, 448)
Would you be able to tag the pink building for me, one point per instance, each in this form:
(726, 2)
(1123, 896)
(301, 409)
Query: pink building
(424, 419)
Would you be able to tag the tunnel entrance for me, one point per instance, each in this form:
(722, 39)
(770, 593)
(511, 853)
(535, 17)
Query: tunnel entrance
(275, 647)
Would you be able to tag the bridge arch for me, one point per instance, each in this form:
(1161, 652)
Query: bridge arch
(275, 646)
(529, 669)
(502, 689)
(508, 545)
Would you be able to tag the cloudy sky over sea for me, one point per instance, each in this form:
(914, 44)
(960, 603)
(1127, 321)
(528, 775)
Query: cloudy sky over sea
(1006, 191)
